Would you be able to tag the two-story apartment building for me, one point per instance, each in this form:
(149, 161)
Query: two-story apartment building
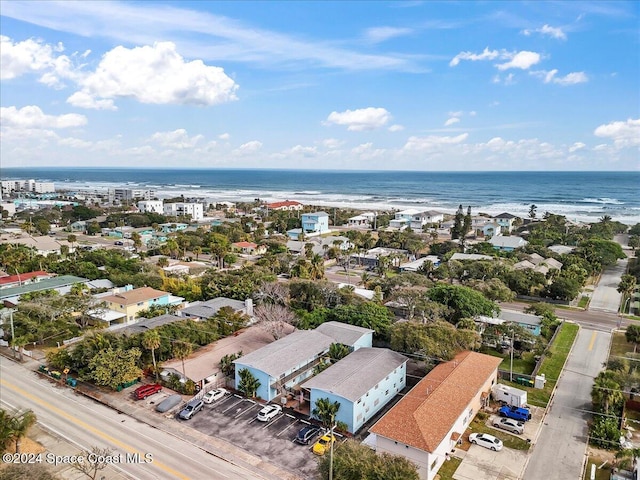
(421, 219)
(287, 205)
(128, 302)
(506, 222)
(287, 362)
(313, 224)
(364, 220)
(362, 382)
(426, 424)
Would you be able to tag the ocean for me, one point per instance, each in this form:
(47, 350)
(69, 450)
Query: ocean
(581, 196)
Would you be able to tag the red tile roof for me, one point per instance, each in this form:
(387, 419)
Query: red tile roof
(245, 245)
(424, 417)
(23, 277)
(288, 203)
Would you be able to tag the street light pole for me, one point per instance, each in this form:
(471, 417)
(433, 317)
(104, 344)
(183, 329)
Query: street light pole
(331, 448)
(511, 365)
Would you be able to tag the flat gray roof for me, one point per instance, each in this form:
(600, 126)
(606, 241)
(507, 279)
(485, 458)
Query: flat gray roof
(357, 373)
(152, 323)
(209, 308)
(287, 353)
(519, 317)
(343, 332)
(45, 284)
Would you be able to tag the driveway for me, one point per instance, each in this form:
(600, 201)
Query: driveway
(480, 463)
(605, 297)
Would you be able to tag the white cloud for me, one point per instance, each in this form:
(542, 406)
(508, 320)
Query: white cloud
(485, 55)
(84, 100)
(508, 79)
(365, 151)
(396, 128)
(19, 58)
(33, 117)
(623, 133)
(300, 150)
(362, 119)
(248, 148)
(451, 121)
(224, 136)
(178, 139)
(554, 32)
(576, 146)
(522, 60)
(154, 74)
(572, 78)
(433, 142)
(331, 143)
(74, 143)
(381, 34)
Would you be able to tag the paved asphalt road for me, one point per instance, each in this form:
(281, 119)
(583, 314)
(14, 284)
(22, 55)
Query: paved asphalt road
(86, 423)
(605, 297)
(559, 451)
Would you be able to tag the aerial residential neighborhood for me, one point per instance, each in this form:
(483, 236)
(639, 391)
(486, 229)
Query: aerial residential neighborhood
(389, 331)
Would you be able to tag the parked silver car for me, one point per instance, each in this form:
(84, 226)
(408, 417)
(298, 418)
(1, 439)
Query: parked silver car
(193, 407)
(510, 425)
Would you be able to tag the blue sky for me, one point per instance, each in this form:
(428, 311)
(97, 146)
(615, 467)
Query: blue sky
(323, 85)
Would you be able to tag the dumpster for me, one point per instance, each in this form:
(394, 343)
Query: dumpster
(72, 382)
(55, 374)
(43, 369)
(524, 381)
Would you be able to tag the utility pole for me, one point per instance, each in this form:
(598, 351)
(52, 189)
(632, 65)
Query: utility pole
(331, 449)
(511, 366)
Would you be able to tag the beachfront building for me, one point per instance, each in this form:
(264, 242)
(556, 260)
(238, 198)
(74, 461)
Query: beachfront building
(123, 304)
(130, 194)
(491, 229)
(364, 220)
(422, 219)
(507, 244)
(363, 382)
(403, 218)
(506, 222)
(151, 206)
(180, 209)
(10, 187)
(426, 424)
(288, 205)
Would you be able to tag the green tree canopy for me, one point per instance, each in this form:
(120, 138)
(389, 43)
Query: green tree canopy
(463, 302)
(438, 339)
(115, 366)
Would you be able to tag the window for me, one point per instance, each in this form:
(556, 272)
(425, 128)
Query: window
(434, 464)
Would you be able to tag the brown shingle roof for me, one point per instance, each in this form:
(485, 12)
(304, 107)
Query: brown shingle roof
(136, 295)
(424, 417)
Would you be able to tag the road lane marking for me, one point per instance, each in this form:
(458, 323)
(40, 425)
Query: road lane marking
(88, 427)
(593, 341)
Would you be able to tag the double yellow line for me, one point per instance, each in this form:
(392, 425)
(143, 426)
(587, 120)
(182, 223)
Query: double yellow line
(89, 428)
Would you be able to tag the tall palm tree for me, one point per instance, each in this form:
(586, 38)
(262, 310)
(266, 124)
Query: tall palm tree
(151, 341)
(182, 349)
(20, 425)
(326, 411)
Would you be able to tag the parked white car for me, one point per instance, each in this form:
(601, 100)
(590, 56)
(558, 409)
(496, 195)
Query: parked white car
(213, 395)
(487, 441)
(269, 412)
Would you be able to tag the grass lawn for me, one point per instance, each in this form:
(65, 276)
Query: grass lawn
(619, 345)
(584, 301)
(519, 365)
(510, 441)
(551, 365)
(603, 473)
(448, 468)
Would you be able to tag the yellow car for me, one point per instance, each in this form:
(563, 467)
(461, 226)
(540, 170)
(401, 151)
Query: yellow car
(322, 445)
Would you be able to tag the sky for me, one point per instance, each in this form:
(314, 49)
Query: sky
(403, 85)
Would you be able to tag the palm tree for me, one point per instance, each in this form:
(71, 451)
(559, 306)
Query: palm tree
(326, 411)
(151, 341)
(248, 383)
(197, 251)
(20, 424)
(606, 393)
(338, 351)
(182, 349)
(317, 267)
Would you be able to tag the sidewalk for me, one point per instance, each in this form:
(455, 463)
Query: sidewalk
(212, 445)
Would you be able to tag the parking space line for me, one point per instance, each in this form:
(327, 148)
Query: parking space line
(286, 428)
(272, 421)
(232, 405)
(239, 413)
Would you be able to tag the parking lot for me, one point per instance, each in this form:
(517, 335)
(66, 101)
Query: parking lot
(233, 419)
